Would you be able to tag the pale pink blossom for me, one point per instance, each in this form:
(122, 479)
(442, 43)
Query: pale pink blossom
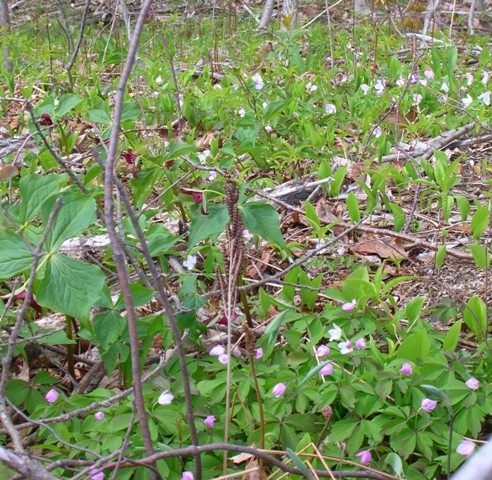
(406, 369)
(469, 78)
(258, 81)
(311, 88)
(258, 353)
(444, 87)
(187, 475)
(365, 88)
(241, 112)
(467, 100)
(466, 448)
(345, 347)
(51, 396)
(335, 333)
(279, 389)
(99, 416)
(485, 98)
(96, 475)
(485, 78)
(217, 350)
(209, 421)
(365, 457)
(330, 108)
(428, 405)
(349, 306)
(223, 358)
(327, 369)
(473, 383)
(165, 398)
(377, 132)
(360, 344)
(268, 128)
(322, 351)
(429, 74)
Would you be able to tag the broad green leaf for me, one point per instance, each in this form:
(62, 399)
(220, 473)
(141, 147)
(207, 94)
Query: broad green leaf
(204, 226)
(117, 351)
(274, 326)
(78, 212)
(140, 295)
(313, 372)
(353, 207)
(175, 149)
(463, 207)
(338, 179)
(311, 215)
(481, 255)
(160, 239)
(57, 338)
(414, 308)
(398, 216)
(69, 286)
(415, 347)
(394, 461)
(15, 257)
(475, 316)
(66, 103)
(262, 219)
(98, 116)
(131, 112)
(440, 255)
(299, 464)
(452, 337)
(479, 222)
(108, 326)
(35, 190)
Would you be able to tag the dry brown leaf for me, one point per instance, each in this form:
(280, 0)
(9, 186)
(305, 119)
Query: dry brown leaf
(205, 139)
(388, 248)
(241, 458)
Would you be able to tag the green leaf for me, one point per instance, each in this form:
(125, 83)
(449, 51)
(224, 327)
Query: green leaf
(398, 216)
(204, 226)
(313, 372)
(353, 207)
(140, 295)
(414, 308)
(274, 326)
(57, 338)
(481, 256)
(463, 207)
(479, 222)
(15, 257)
(311, 215)
(160, 239)
(415, 347)
(298, 463)
(108, 326)
(440, 255)
(98, 116)
(475, 316)
(66, 103)
(77, 213)
(175, 149)
(35, 190)
(452, 337)
(262, 219)
(394, 461)
(338, 179)
(131, 112)
(69, 286)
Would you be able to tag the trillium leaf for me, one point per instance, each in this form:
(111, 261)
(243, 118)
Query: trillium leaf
(262, 219)
(69, 286)
(15, 257)
(204, 226)
(76, 214)
(67, 103)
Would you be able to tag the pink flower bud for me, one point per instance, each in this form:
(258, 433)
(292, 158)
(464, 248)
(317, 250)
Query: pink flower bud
(51, 396)
(187, 475)
(360, 344)
(406, 369)
(279, 389)
(365, 457)
(209, 421)
(327, 369)
(224, 358)
(96, 475)
(473, 383)
(466, 448)
(99, 416)
(428, 405)
(217, 350)
(349, 306)
(322, 351)
(259, 353)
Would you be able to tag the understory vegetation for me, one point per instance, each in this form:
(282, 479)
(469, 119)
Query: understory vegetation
(272, 244)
